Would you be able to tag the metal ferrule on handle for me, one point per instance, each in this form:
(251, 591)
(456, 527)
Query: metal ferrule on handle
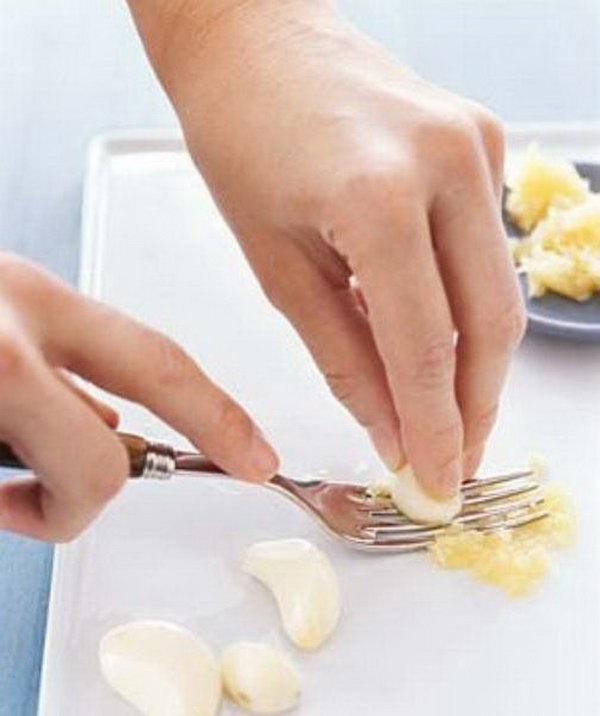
(148, 460)
(159, 464)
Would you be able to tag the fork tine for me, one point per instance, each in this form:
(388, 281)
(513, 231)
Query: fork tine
(519, 521)
(485, 482)
(384, 542)
(487, 497)
(390, 516)
(427, 537)
(386, 512)
(397, 545)
(388, 546)
(492, 517)
(384, 505)
(412, 536)
(396, 519)
(505, 508)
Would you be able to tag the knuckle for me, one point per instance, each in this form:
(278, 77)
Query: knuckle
(13, 359)
(275, 290)
(231, 423)
(462, 151)
(111, 470)
(170, 365)
(272, 271)
(454, 139)
(492, 133)
(446, 460)
(374, 185)
(481, 424)
(507, 327)
(471, 461)
(433, 364)
(106, 487)
(369, 196)
(62, 520)
(25, 282)
(64, 533)
(448, 430)
(343, 386)
(13, 269)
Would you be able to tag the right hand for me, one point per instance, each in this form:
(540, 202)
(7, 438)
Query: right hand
(65, 436)
(336, 165)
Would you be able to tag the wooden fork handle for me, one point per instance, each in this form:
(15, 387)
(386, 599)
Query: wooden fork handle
(136, 446)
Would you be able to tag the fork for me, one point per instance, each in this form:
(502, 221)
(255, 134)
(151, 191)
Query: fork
(350, 511)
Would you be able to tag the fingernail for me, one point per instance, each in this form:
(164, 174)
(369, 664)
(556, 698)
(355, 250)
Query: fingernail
(386, 440)
(112, 418)
(448, 480)
(263, 458)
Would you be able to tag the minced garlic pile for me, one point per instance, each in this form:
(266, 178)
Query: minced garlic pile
(515, 560)
(549, 199)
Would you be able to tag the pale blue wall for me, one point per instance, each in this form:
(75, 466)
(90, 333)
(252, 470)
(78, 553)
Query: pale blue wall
(529, 59)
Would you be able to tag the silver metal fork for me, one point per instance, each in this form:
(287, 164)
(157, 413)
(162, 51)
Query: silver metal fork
(350, 511)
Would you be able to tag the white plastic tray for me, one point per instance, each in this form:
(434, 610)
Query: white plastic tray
(413, 640)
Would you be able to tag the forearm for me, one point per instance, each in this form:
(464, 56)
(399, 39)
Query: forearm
(160, 22)
(184, 37)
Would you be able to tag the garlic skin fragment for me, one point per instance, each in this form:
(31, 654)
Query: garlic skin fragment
(161, 669)
(412, 500)
(304, 585)
(259, 678)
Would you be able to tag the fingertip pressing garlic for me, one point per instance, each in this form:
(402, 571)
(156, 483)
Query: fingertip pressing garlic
(304, 585)
(259, 678)
(412, 500)
(161, 669)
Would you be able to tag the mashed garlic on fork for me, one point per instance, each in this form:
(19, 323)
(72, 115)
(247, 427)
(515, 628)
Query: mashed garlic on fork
(515, 560)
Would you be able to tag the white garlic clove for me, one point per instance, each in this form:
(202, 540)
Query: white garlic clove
(259, 678)
(412, 500)
(304, 585)
(162, 669)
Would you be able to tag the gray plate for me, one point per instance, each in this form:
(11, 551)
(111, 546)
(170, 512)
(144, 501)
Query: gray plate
(553, 314)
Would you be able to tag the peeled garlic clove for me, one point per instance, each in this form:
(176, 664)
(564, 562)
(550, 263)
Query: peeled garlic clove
(162, 669)
(304, 585)
(412, 500)
(259, 678)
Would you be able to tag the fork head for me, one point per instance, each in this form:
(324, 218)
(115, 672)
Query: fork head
(369, 521)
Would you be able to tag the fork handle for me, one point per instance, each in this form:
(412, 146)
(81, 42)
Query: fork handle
(146, 459)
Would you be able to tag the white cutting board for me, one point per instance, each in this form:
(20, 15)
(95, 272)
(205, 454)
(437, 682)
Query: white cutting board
(413, 640)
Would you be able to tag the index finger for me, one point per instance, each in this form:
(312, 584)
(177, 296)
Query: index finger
(131, 360)
(147, 367)
(392, 256)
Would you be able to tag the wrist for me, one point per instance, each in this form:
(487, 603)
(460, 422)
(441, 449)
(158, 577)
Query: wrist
(160, 22)
(194, 42)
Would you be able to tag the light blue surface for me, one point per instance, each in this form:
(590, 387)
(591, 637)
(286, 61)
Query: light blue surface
(24, 576)
(70, 69)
